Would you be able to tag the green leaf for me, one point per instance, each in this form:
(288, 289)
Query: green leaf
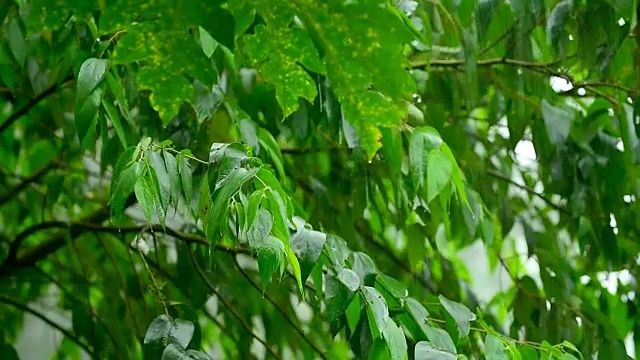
(271, 258)
(277, 208)
(174, 352)
(259, 229)
(8, 352)
(394, 336)
(164, 183)
(174, 177)
(86, 117)
(337, 250)
(168, 91)
(158, 330)
(124, 186)
(295, 267)
(440, 339)
(208, 43)
(340, 290)
(556, 22)
(364, 267)
(181, 332)
(557, 121)
(269, 144)
(393, 286)
(197, 355)
(460, 313)
(144, 194)
(353, 66)
(418, 313)
(423, 141)
(185, 176)
(116, 121)
(281, 52)
(425, 351)
(494, 348)
(307, 245)
(90, 76)
(439, 169)
(223, 191)
(377, 309)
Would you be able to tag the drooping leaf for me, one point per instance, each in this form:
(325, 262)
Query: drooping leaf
(460, 313)
(439, 169)
(144, 194)
(308, 245)
(271, 258)
(377, 309)
(394, 336)
(422, 142)
(340, 290)
(158, 330)
(557, 121)
(124, 186)
(260, 228)
(181, 332)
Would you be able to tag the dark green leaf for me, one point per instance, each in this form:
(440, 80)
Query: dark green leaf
(124, 186)
(271, 258)
(340, 290)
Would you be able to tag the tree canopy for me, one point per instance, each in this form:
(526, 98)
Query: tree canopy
(374, 179)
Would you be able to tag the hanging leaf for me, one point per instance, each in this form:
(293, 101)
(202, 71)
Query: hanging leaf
(339, 292)
(308, 245)
(377, 309)
(439, 169)
(460, 313)
(271, 258)
(394, 336)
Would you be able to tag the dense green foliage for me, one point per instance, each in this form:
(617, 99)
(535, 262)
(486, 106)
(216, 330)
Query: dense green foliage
(319, 179)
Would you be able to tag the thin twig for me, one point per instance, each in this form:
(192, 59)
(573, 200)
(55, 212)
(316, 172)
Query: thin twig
(65, 332)
(228, 306)
(503, 177)
(31, 104)
(281, 311)
(35, 177)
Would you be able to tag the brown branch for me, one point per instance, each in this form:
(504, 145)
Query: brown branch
(65, 332)
(31, 104)
(281, 311)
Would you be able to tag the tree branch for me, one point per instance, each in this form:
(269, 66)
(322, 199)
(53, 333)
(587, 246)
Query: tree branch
(65, 332)
(281, 311)
(13, 262)
(228, 306)
(35, 177)
(31, 104)
(503, 177)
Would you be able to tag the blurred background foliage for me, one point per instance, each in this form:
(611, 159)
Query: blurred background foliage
(298, 180)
